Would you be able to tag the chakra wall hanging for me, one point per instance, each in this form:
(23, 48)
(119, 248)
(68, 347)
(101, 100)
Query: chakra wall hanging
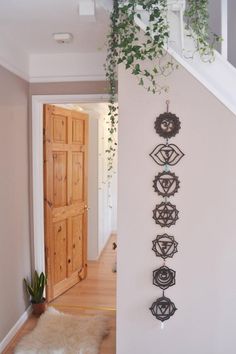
(166, 184)
(165, 214)
(164, 277)
(167, 154)
(163, 308)
(164, 246)
(167, 125)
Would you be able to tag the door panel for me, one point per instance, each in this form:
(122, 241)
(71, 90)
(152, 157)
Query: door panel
(60, 242)
(59, 129)
(65, 197)
(78, 127)
(59, 179)
(77, 234)
(77, 176)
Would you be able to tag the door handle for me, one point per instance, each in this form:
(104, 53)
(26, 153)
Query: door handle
(86, 207)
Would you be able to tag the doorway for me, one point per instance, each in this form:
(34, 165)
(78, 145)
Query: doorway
(65, 140)
(37, 172)
(100, 252)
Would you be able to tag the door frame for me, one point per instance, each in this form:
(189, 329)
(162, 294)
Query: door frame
(38, 247)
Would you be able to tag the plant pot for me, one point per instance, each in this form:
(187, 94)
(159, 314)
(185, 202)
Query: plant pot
(39, 308)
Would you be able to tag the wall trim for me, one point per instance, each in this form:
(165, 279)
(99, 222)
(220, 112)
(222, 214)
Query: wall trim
(13, 331)
(66, 78)
(14, 69)
(37, 165)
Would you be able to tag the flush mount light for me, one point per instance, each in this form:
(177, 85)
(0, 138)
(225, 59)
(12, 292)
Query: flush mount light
(62, 37)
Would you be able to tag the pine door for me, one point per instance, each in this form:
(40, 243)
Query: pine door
(65, 197)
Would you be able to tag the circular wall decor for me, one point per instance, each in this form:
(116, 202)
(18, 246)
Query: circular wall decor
(165, 214)
(166, 184)
(164, 246)
(164, 277)
(167, 154)
(167, 125)
(163, 308)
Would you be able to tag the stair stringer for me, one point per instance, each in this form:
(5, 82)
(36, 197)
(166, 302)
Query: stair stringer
(219, 77)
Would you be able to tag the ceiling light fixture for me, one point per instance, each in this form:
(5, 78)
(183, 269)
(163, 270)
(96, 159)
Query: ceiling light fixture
(62, 38)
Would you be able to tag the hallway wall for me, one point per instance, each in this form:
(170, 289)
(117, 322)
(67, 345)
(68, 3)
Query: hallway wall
(14, 197)
(205, 288)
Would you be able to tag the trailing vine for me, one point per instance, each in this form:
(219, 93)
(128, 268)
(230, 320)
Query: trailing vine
(127, 44)
(144, 53)
(197, 26)
(111, 75)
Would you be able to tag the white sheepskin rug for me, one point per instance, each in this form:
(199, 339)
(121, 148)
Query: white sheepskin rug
(60, 333)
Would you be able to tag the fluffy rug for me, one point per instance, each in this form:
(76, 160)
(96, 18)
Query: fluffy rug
(60, 333)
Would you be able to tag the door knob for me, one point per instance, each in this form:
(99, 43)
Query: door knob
(86, 207)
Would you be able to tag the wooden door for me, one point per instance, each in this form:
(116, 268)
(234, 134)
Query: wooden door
(65, 197)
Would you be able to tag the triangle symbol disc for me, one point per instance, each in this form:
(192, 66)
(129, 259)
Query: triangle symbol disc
(166, 154)
(165, 246)
(166, 184)
(163, 308)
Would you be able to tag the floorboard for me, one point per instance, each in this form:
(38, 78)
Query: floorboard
(94, 295)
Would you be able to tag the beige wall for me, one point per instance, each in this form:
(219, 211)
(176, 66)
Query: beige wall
(14, 199)
(15, 157)
(205, 287)
(69, 88)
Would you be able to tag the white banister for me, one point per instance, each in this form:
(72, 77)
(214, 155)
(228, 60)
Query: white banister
(177, 8)
(224, 28)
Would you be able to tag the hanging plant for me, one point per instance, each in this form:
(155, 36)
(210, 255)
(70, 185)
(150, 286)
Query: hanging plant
(127, 44)
(144, 53)
(197, 27)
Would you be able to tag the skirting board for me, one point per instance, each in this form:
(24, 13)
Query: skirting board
(11, 334)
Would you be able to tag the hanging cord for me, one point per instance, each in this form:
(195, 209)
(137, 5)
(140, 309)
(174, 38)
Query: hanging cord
(166, 168)
(167, 110)
(167, 105)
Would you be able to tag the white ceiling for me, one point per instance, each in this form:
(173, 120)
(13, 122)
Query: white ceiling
(30, 25)
(96, 110)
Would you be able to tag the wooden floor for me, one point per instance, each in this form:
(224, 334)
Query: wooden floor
(94, 295)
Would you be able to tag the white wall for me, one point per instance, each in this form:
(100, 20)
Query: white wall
(107, 219)
(67, 67)
(93, 189)
(205, 291)
(215, 18)
(102, 195)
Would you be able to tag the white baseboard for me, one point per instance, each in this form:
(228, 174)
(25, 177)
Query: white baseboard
(13, 331)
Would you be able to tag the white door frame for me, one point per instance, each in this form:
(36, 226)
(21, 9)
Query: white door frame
(37, 165)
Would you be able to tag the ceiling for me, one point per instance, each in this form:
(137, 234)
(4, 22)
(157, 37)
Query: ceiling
(96, 110)
(30, 25)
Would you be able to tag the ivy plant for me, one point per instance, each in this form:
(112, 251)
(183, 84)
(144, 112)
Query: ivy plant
(197, 27)
(144, 53)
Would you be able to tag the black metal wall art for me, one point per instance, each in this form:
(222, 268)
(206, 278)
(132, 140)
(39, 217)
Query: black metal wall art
(164, 246)
(163, 308)
(167, 154)
(166, 184)
(165, 214)
(164, 277)
(167, 125)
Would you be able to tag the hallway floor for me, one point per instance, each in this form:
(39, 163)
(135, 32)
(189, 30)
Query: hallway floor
(95, 295)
